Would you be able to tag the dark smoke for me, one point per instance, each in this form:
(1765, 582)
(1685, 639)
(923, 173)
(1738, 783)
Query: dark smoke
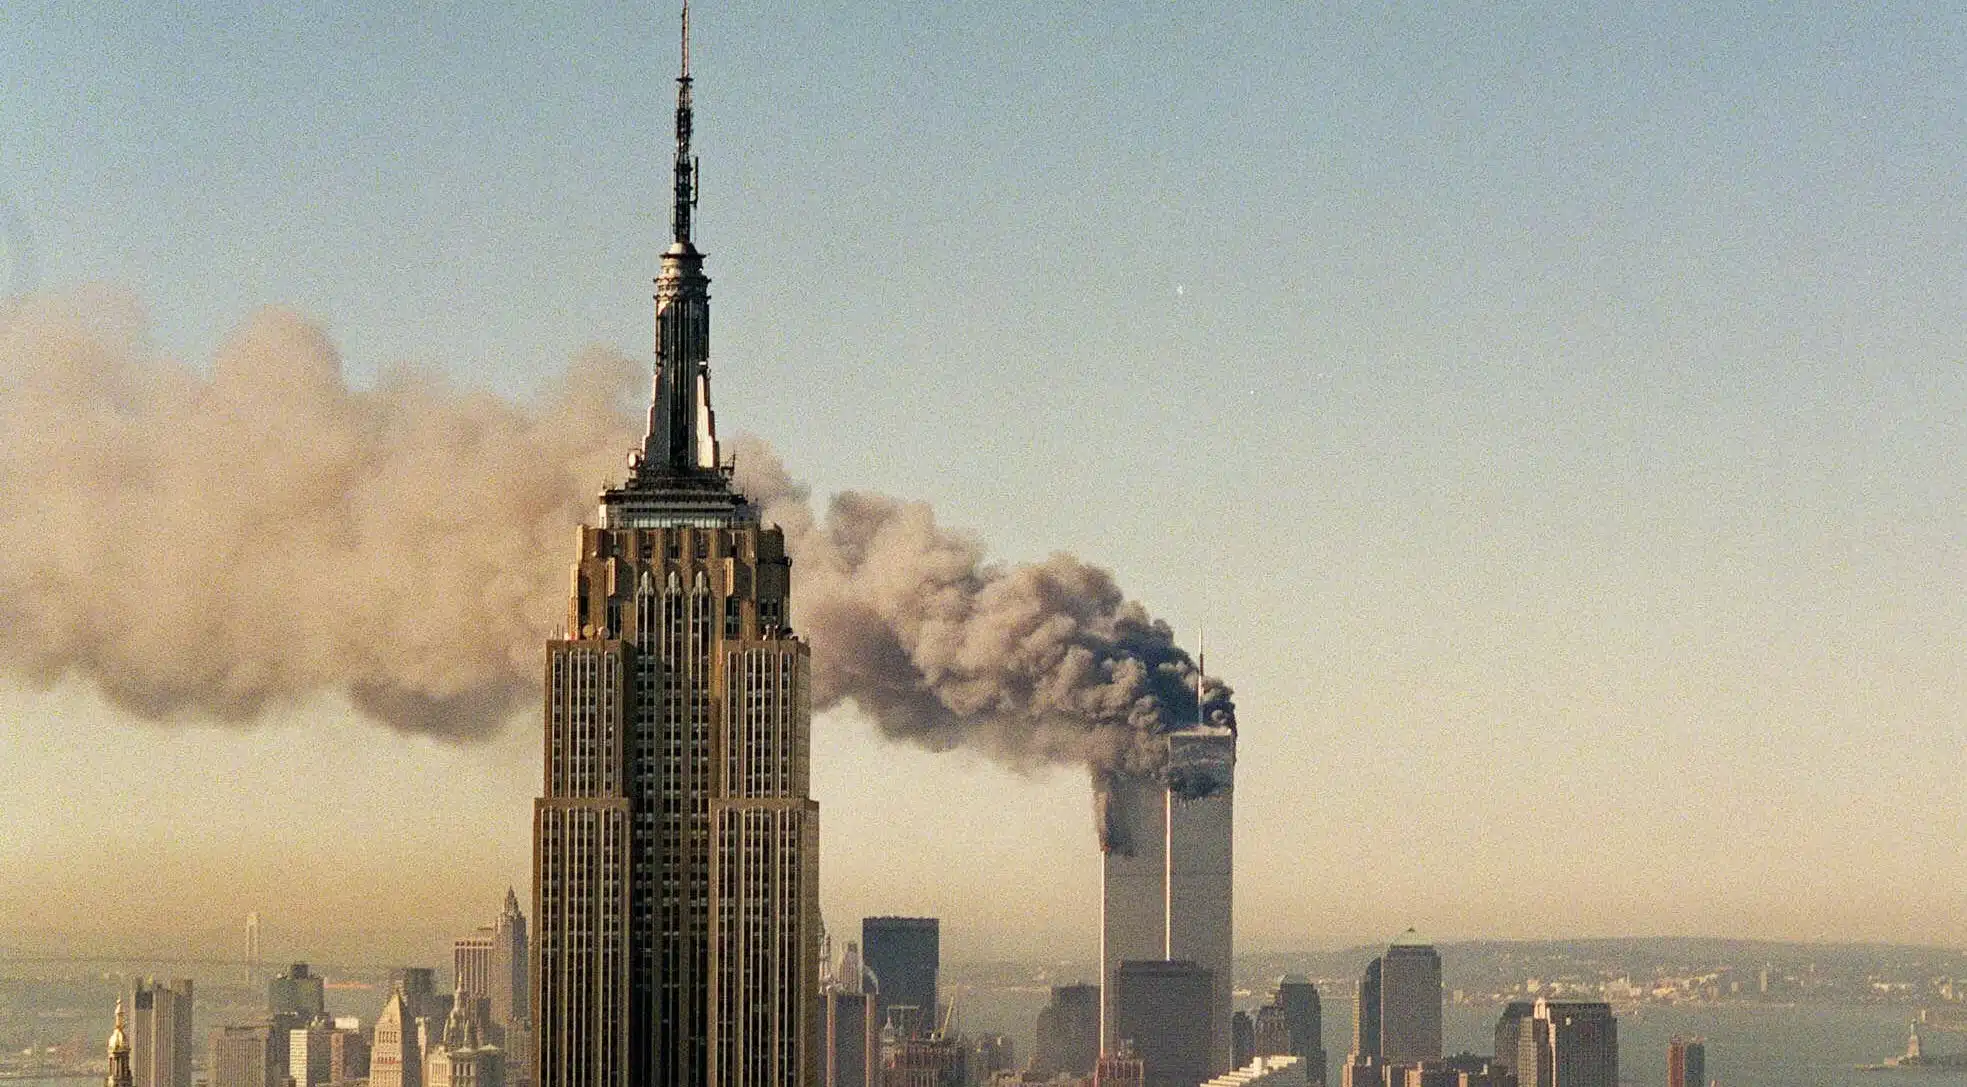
(218, 547)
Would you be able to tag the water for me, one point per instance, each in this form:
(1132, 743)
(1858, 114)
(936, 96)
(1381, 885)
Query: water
(1748, 1045)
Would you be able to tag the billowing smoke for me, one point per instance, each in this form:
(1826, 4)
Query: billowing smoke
(220, 546)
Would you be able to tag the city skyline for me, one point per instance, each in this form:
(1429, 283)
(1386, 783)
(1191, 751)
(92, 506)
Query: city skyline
(1683, 507)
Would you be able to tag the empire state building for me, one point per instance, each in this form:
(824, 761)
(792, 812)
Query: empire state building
(675, 845)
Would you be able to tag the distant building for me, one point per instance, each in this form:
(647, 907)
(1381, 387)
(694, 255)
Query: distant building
(299, 992)
(849, 1055)
(310, 1055)
(921, 1062)
(1162, 1009)
(254, 1056)
(1362, 1070)
(1509, 1032)
(1686, 1062)
(160, 1033)
(1366, 1013)
(1068, 1032)
(1568, 1044)
(491, 963)
(1120, 1067)
(348, 1055)
(1242, 1039)
(1294, 1023)
(1286, 1070)
(462, 1056)
(1410, 1002)
(395, 1052)
(422, 999)
(903, 954)
(120, 1073)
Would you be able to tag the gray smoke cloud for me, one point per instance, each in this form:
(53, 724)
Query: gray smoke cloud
(220, 546)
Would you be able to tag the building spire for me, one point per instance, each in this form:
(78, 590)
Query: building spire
(686, 164)
(680, 446)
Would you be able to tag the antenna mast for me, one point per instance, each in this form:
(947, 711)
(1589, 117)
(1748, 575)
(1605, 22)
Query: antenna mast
(686, 164)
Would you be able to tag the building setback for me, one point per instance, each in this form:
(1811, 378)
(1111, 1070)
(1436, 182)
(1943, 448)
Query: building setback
(676, 843)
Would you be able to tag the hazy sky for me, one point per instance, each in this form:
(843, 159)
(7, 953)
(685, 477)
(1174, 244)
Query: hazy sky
(1553, 415)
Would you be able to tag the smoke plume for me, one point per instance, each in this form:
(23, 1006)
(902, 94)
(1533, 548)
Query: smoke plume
(222, 546)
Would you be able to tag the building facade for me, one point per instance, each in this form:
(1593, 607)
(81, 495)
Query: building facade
(1068, 1034)
(1166, 886)
(676, 844)
(1161, 1008)
(1686, 1063)
(1410, 1002)
(1293, 1023)
(1366, 1013)
(160, 1035)
(903, 954)
(1568, 1044)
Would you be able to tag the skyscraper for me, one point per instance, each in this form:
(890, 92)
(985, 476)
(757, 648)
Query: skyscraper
(904, 955)
(1068, 1032)
(299, 993)
(1410, 1002)
(1509, 1032)
(1568, 1044)
(676, 847)
(395, 1052)
(1366, 1013)
(1293, 1023)
(1167, 877)
(1686, 1062)
(491, 963)
(1162, 1009)
(160, 1033)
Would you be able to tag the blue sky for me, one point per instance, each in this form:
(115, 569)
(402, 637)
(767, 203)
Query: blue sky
(1553, 414)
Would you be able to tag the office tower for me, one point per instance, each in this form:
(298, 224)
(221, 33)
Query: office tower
(1686, 1062)
(1366, 1013)
(120, 1072)
(348, 1055)
(1068, 1035)
(1162, 1008)
(252, 970)
(903, 953)
(395, 1052)
(491, 964)
(849, 1054)
(1294, 1023)
(1568, 1044)
(1509, 1032)
(254, 1056)
(298, 993)
(921, 1062)
(676, 846)
(309, 1051)
(1242, 1039)
(160, 1033)
(1410, 1002)
(1167, 873)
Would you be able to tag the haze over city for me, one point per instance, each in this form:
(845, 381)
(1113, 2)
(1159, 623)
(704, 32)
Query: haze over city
(1551, 420)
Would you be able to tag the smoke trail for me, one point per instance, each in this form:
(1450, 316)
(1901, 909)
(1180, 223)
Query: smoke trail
(222, 546)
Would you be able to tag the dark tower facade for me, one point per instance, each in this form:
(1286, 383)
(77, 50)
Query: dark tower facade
(676, 846)
(903, 954)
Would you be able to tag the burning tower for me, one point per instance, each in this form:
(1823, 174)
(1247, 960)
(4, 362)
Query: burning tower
(676, 848)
